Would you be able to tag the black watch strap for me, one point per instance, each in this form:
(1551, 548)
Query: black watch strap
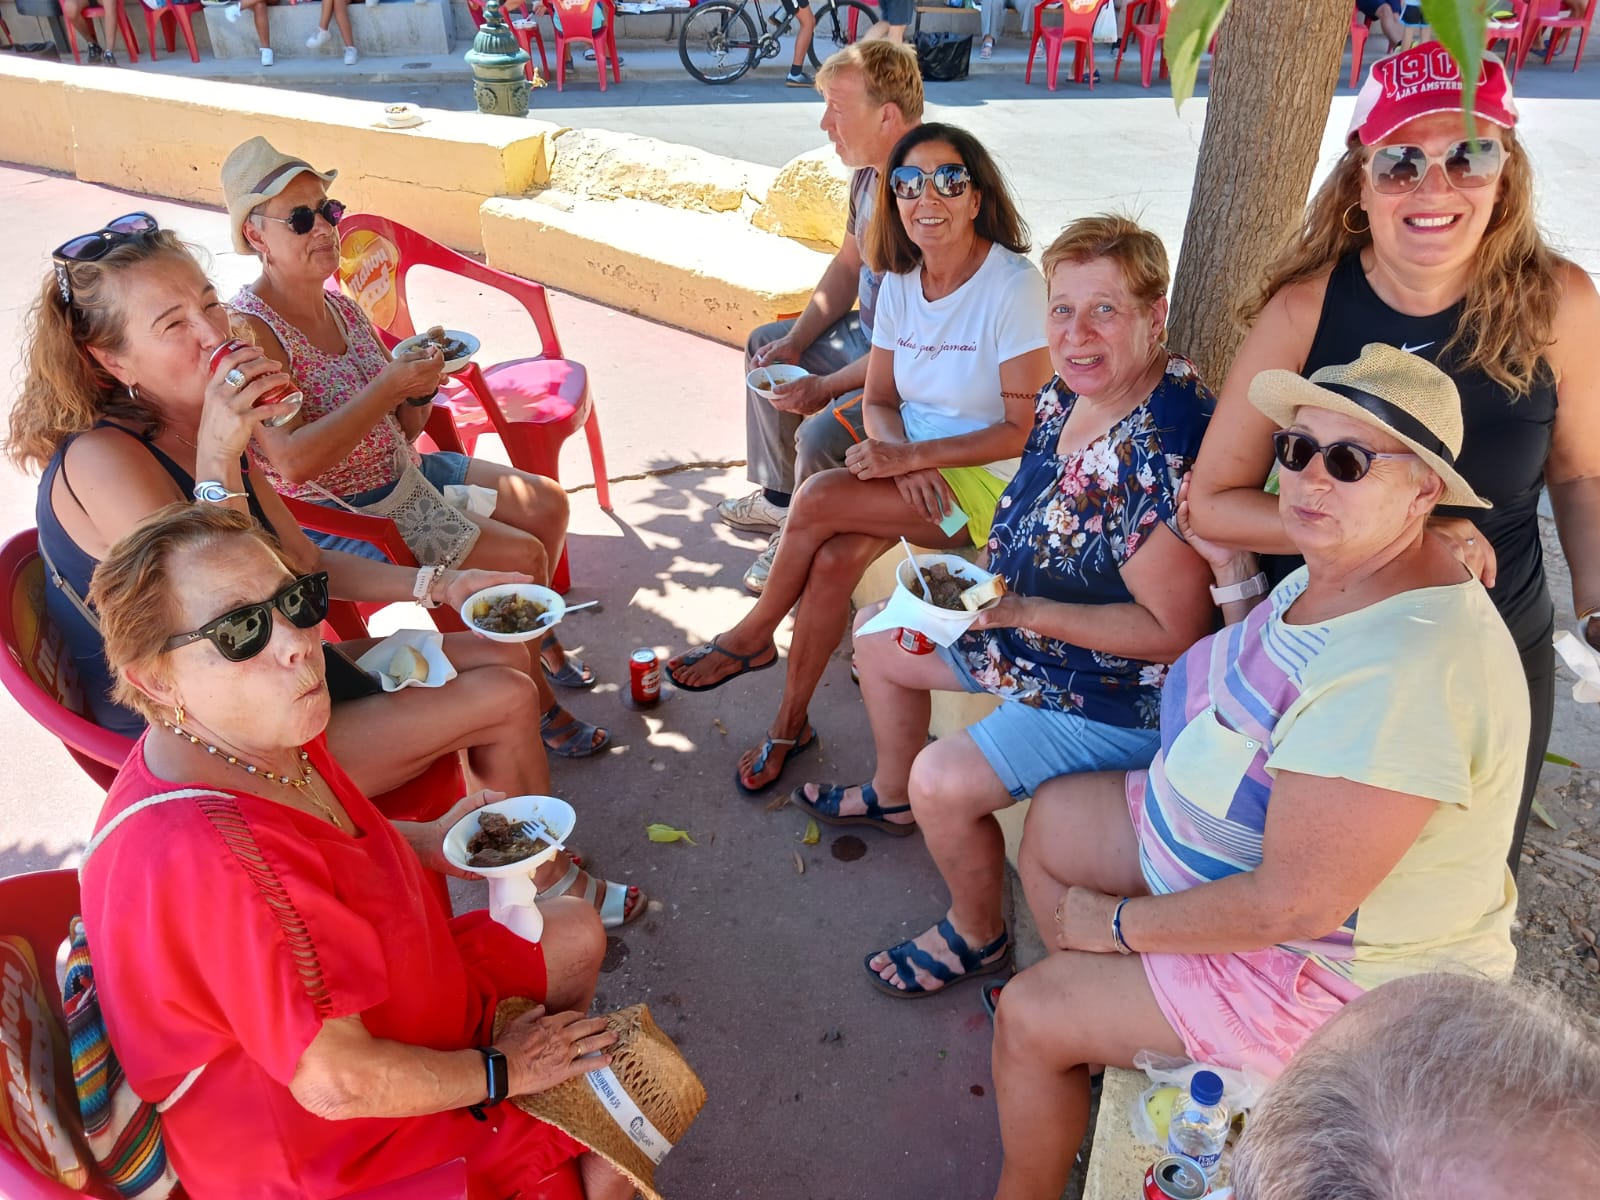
(497, 1074)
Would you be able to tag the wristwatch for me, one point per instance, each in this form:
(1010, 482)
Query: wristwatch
(1256, 585)
(210, 491)
(497, 1077)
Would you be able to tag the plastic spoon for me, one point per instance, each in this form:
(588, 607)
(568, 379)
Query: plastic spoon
(927, 591)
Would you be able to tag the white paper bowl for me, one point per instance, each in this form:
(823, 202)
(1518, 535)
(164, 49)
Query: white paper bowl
(555, 608)
(958, 567)
(451, 365)
(557, 815)
(428, 642)
(763, 380)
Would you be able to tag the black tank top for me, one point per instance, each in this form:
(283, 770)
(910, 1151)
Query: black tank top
(1503, 452)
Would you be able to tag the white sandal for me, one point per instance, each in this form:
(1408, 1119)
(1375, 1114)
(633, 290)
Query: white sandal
(613, 908)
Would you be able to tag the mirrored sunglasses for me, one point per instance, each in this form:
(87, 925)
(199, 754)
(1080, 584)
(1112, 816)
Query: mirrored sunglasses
(1472, 163)
(1345, 462)
(245, 631)
(302, 219)
(91, 247)
(949, 179)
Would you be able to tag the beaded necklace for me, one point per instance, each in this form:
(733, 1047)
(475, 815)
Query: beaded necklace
(302, 785)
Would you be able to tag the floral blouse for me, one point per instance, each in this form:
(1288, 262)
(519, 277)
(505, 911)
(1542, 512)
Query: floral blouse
(1065, 527)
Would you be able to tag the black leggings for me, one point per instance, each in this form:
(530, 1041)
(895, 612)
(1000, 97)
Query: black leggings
(1539, 667)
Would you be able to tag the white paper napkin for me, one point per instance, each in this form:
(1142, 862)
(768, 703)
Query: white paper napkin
(1585, 664)
(428, 642)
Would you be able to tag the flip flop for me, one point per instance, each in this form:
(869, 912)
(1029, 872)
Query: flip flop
(798, 745)
(613, 907)
(986, 50)
(826, 808)
(573, 673)
(571, 738)
(908, 956)
(747, 665)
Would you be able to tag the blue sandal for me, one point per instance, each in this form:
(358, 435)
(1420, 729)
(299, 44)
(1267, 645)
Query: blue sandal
(826, 808)
(797, 745)
(572, 673)
(907, 957)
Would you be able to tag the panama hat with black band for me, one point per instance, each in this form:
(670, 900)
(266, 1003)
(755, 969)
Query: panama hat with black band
(254, 173)
(1403, 395)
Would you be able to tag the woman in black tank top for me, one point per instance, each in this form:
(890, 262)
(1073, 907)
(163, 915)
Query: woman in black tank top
(1428, 243)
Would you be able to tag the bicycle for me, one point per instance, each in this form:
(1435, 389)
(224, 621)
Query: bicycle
(719, 43)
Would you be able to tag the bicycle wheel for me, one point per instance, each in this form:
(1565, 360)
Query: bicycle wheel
(844, 24)
(717, 42)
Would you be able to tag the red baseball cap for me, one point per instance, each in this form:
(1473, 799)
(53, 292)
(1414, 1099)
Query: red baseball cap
(1425, 80)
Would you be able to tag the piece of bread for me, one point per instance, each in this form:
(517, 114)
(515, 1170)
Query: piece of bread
(407, 664)
(980, 594)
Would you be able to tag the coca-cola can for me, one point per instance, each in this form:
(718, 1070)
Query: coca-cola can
(284, 393)
(644, 678)
(913, 642)
(1175, 1178)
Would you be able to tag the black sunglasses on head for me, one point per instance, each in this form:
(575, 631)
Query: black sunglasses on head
(302, 219)
(1345, 462)
(245, 631)
(91, 247)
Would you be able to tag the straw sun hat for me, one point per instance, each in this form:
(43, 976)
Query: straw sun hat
(253, 173)
(631, 1113)
(1405, 396)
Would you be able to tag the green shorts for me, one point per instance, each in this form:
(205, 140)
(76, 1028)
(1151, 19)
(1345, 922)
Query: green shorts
(977, 491)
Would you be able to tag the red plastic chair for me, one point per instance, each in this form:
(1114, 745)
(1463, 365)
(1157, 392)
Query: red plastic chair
(527, 33)
(173, 18)
(534, 404)
(1552, 15)
(1359, 29)
(574, 24)
(1152, 34)
(1513, 32)
(1077, 27)
(119, 24)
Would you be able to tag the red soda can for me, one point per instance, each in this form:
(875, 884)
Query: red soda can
(644, 678)
(284, 393)
(1175, 1178)
(913, 642)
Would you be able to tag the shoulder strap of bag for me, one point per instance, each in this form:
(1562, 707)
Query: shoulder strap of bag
(60, 580)
(148, 802)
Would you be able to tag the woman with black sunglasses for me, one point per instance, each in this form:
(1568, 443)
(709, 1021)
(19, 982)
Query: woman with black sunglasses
(363, 410)
(124, 411)
(262, 933)
(1427, 241)
(1333, 796)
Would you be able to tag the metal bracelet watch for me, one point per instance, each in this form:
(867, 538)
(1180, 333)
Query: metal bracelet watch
(497, 1080)
(211, 491)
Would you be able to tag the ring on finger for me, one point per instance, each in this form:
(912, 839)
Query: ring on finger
(236, 379)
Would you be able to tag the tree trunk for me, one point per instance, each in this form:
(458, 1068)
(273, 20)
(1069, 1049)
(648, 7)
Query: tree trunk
(1271, 85)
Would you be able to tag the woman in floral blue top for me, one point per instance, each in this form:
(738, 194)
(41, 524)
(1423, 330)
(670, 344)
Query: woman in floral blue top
(1102, 593)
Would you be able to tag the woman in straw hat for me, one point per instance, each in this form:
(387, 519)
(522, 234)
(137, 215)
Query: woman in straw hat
(1426, 241)
(1333, 797)
(353, 435)
(267, 950)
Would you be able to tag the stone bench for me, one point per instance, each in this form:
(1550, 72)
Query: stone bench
(381, 30)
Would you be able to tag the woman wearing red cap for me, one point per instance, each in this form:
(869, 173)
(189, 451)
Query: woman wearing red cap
(1428, 242)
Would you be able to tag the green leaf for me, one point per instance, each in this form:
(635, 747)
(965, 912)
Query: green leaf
(812, 835)
(1543, 815)
(1550, 756)
(1190, 29)
(1461, 27)
(666, 833)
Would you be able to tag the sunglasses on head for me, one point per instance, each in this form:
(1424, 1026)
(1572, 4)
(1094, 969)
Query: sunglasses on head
(91, 247)
(302, 219)
(949, 179)
(1345, 462)
(245, 631)
(1473, 163)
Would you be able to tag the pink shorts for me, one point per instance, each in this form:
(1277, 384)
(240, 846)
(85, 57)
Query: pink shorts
(1248, 1011)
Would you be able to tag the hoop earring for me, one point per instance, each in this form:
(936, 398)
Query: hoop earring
(133, 393)
(1344, 219)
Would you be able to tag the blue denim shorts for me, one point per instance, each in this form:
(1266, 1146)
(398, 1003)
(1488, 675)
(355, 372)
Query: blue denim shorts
(1025, 745)
(441, 470)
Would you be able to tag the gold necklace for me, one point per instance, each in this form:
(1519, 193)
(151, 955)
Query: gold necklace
(301, 785)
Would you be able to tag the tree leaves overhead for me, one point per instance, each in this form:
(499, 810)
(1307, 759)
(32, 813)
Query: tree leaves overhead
(1190, 28)
(1462, 27)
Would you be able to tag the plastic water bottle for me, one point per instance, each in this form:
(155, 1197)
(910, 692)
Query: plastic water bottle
(1199, 1122)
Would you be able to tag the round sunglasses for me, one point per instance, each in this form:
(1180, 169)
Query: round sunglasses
(1472, 163)
(302, 219)
(1345, 462)
(244, 632)
(949, 179)
(91, 247)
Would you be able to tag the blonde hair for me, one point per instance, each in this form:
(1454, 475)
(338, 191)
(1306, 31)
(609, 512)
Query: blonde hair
(1140, 253)
(135, 592)
(66, 389)
(889, 70)
(1511, 301)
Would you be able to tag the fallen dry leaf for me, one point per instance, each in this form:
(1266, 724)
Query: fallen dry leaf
(812, 835)
(716, 723)
(777, 802)
(666, 833)
(799, 864)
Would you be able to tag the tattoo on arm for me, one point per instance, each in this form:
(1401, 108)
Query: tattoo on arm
(1016, 395)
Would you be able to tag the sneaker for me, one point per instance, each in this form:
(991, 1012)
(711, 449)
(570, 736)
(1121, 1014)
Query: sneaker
(266, 56)
(232, 13)
(797, 78)
(110, 59)
(755, 579)
(94, 54)
(351, 56)
(754, 511)
(318, 38)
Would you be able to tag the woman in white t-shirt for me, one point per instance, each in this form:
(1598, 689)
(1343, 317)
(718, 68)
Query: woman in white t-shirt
(958, 355)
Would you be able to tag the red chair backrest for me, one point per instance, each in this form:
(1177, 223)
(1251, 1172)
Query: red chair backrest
(575, 18)
(376, 254)
(1077, 16)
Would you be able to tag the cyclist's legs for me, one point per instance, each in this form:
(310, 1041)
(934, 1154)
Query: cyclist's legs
(802, 37)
